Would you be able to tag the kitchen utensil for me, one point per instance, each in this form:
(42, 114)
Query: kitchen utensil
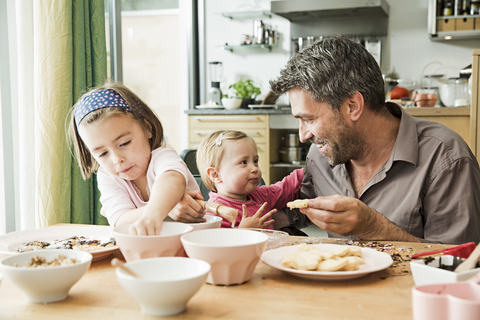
(214, 92)
(166, 244)
(290, 154)
(463, 250)
(119, 264)
(291, 140)
(470, 262)
(447, 301)
(232, 253)
(453, 90)
(258, 32)
(228, 213)
(440, 269)
(167, 284)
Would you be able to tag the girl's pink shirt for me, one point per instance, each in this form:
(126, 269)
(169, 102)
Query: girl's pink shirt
(277, 195)
(119, 196)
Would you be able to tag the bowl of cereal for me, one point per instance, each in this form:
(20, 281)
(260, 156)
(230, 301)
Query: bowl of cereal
(167, 292)
(46, 276)
(166, 244)
(232, 253)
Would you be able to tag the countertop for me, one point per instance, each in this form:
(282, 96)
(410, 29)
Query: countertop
(238, 111)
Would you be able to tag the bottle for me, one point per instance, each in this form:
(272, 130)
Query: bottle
(448, 8)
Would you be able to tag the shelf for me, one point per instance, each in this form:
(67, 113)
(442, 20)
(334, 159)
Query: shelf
(239, 15)
(455, 35)
(249, 46)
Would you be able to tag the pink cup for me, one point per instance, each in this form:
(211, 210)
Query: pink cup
(448, 301)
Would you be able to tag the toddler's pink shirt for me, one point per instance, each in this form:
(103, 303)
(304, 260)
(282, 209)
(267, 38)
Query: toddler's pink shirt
(119, 196)
(277, 195)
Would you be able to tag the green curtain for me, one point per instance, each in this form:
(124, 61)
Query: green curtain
(89, 70)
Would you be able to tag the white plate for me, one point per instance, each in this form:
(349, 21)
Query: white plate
(209, 106)
(374, 261)
(11, 241)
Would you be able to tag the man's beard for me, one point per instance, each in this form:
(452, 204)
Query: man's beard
(345, 144)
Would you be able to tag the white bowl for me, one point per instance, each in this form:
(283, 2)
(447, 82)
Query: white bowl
(211, 223)
(431, 273)
(276, 238)
(166, 284)
(166, 244)
(45, 284)
(232, 253)
(231, 103)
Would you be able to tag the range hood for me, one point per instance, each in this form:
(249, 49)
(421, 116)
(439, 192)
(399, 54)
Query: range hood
(295, 10)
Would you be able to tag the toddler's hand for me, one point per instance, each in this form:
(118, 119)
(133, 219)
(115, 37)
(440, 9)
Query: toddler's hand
(146, 226)
(257, 220)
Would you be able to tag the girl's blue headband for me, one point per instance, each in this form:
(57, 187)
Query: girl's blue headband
(97, 100)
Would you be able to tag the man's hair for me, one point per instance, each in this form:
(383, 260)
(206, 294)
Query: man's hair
(332, 70)
(211, 149)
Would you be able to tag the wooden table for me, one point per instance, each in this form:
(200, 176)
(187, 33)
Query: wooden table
(270, 294)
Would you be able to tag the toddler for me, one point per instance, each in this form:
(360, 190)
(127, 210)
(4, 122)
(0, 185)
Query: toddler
(140, 179)
(228, 165)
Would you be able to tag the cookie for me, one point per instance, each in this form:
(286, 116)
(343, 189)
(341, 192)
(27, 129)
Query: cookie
(297, 204)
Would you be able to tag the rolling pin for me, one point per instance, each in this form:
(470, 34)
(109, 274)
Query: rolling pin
(228, 213)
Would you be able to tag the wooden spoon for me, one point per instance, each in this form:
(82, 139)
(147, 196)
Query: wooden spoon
(470, 262)
(119, 264)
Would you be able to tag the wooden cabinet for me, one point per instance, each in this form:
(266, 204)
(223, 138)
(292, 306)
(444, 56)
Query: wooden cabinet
(255, 125)
(475, 104)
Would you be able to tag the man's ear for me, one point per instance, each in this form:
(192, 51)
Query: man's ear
(356, 105)
(213, 175)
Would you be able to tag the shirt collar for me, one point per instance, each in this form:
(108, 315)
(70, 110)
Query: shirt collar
(406, 145)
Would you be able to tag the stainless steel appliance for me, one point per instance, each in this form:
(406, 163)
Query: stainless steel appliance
(214, 92)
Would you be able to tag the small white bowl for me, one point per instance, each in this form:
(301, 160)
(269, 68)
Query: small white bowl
(166, 244)
(276, 238)
(430, 273)
(231, 103)
(211, 223)
(166, 284)
(232, 253)
(45, 284)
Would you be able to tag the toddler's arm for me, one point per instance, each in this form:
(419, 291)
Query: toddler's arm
(167, 190)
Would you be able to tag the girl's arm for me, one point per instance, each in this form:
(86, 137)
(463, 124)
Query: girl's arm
(167, 190)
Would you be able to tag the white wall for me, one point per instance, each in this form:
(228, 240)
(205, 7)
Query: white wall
(407, 46)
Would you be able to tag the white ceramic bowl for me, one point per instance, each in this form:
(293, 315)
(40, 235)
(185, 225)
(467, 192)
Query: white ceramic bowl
(232, 253)
(211, 223)
(166, 285)
(231, 103)
(276, 238)
(430, 273)
(166, 244)
(46, 284)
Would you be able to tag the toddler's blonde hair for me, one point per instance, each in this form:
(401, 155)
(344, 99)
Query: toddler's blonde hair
(210, 152)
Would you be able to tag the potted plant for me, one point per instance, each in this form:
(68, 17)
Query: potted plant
(245, 90)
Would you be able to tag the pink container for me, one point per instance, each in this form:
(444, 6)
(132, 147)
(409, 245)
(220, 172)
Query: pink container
(167, 244)
(232, 253)
(448, 301)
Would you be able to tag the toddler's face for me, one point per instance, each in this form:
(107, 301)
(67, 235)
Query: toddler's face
(120, 146)
(239, 173)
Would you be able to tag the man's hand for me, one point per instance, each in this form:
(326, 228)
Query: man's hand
(188, 210)
(344, 215)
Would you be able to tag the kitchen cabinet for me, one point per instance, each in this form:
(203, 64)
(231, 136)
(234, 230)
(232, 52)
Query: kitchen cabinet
(451, 27)
(475, 104)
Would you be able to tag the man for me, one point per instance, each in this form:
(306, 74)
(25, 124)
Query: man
(374, 172)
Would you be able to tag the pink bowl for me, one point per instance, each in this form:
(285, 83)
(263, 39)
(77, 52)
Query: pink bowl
(232, 253)
(448, 301)
(167, 244)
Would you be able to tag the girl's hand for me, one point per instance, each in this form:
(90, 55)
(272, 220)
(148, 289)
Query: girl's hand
(146, 226)
(188, 210)
(257, 220)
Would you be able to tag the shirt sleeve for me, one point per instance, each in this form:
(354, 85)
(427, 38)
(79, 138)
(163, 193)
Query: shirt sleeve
(167, 159)
(451, 205)
(278, 194)
(115, 200)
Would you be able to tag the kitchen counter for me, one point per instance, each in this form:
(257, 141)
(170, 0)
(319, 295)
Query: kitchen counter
(238, 111)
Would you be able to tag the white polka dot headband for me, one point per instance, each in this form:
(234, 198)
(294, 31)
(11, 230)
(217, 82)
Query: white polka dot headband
(97, 100)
